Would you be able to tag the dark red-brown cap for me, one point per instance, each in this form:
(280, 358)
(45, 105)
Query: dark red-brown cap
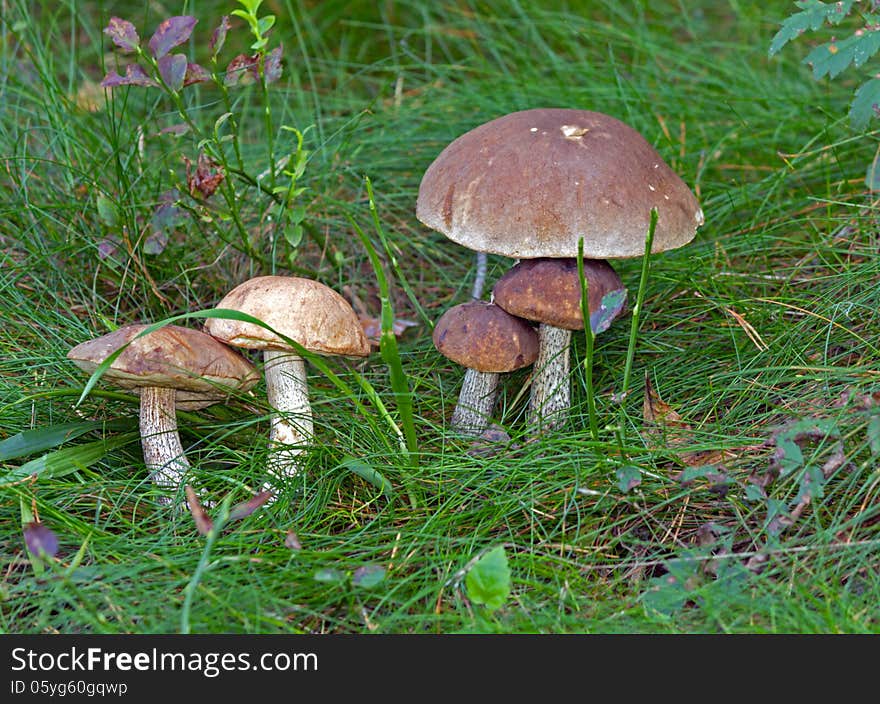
(549, 290)
(479, 335)
(202, 369)
(532, 183)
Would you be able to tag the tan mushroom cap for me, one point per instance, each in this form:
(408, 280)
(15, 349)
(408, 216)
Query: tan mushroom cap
(200, 368)
(304, 310)
(481, 336)
(532, 183)
(549, 290)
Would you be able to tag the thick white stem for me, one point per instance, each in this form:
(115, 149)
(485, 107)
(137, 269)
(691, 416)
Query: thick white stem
(291, 427)
(163, 452)
(475, 402)
(551, 387)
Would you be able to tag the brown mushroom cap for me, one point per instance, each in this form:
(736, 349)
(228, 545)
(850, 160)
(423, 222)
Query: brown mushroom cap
(304, 310)
(200, 368)
(481, 336)
(532, 183)
(549, 290)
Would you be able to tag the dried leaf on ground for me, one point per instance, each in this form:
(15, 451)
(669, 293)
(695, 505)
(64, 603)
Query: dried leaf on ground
(203, 521)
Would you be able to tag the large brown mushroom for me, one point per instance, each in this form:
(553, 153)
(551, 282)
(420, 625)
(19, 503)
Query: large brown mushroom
(311, 314)
(171, 367)
(534, 183)
(487, 341)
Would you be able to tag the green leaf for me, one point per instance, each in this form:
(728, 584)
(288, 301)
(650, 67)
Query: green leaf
(107, 212)
(30, 442)
(488, 579)
(368, 576)
(834, 57)
(628, 477)
(370, 474)
(865, 105)
(330, 576)
(668, 593)
(265, 23)
(293, 233)
(874, 435)
(250, 5)
(609, 308)
(812, 16)
(789, 454)
(62, 462)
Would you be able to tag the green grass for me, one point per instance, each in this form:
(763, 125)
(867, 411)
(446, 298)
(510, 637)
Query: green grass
(767, 318)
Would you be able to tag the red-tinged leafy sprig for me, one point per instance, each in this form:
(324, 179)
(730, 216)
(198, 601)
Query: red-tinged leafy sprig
(159, 64)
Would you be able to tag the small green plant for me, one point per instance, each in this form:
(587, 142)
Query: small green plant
(488, 579)
(835, 56)
(219, 165)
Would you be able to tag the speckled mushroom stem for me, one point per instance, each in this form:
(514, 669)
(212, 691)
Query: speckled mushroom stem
(291, 427)
(475, 402)
(551, 388)
(163, 452)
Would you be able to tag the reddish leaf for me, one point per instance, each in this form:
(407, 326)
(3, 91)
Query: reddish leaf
(175, 130)
(165, 219)
(242, 69)
(134, 76)
(206, 179)
(272, 65)
(291, 540)
(218, 38)
(171, 33)
(40, 540)
(172, 68)
(123, 34)
(246, 508)
(373, 327)
(196, 74)
(203, 521)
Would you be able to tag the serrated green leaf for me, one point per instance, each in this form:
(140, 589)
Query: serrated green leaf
(70, 459)
(29, 442)
(789, 454)
(865, 105)
(812, 16)
(488, 579)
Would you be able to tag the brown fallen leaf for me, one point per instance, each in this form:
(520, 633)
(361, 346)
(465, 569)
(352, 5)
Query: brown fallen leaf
(655, 411)
(203, 521)
(373, 327)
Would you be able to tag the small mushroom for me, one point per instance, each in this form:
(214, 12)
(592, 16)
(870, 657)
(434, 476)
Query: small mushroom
(171, 367)
(548, 292)
(487, 341)
(312, 315)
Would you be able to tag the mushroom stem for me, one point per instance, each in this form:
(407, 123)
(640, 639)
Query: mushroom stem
(163, 452)
(475, 402)
(551, 389)
(291, 427)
